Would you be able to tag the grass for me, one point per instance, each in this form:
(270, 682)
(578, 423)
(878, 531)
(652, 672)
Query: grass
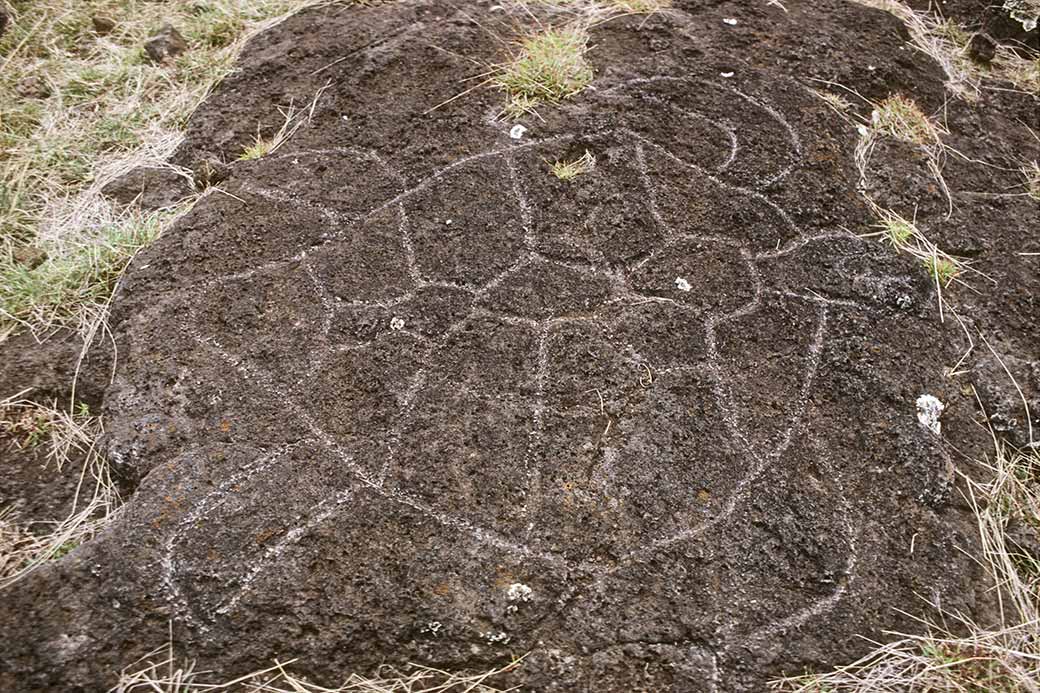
(159, 672)
(76, 272)
(947, 43)
(568, 170)
(836, 102)
(900, 117)
(1005, 659)
(77, 110)
(25, 544)
(25, 426)
(942, 269)
(606, 8)
(293, 118)
(904, 236)
(897, 230)
(547, 67)
(1031, 174)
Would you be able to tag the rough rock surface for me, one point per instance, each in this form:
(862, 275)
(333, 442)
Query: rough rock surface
(401, 395)
(166, 43)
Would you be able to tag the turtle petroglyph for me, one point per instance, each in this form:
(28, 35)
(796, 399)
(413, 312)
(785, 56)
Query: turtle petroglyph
(397, 393)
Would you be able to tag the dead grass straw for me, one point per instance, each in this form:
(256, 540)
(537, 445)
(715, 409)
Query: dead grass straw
(160, 672)
(25, 544)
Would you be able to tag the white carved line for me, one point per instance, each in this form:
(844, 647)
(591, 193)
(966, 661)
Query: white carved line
(759, 462)
(792, 135)
(323, 296)
(533, 471)
(324, 510)
(216, 498)
(717, 181)
(426, 182)
(725, 127)
(622, 292)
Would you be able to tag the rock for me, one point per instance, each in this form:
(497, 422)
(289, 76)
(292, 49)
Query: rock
(104, 25)
(149, 188)
(166, 43)
(396, 393)
(210, 172)
(1015, 26)
(30, 256)
(982, 48)
(33, 87)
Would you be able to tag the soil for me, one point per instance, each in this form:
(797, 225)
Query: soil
(399, 394)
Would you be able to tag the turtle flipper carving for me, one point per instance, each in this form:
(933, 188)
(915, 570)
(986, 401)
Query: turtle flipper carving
(629, 357)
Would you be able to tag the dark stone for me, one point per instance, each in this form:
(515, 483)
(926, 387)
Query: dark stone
(33, 87)
(149, 188)
(1005, 27)
(104, 25)
(166, 43)
(982, 48)
(29, 255)
(210, 172)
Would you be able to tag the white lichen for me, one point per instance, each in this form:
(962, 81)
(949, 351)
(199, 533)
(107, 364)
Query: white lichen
(518, 593)
(1022, 13)
(681, 284)
(517, 132)
(499, 638)
(396, 323)
(929, 409)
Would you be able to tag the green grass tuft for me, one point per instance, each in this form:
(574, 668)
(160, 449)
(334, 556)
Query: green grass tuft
(78, 108)
(568, 170)
(550, 66)
(73, 276)
(942, 269)
(900, 117)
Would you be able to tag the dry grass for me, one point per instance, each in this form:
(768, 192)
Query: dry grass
(568, 170)
(836, 102)
(159, 672)
(1031, 174)
(1004, 659)
(947, 43)
(26, 544)
(79, 108)
(293, 119)
(547, 67)
(77, 270)
(904, 235)
(900, 117)
(600, 9)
